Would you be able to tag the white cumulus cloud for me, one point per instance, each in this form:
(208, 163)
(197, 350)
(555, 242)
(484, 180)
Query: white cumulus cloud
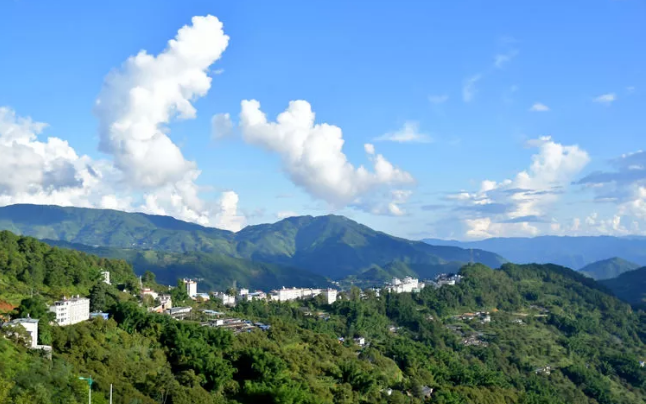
(47, 172)
(148, 172)
(312, 154)
(520, 205)
(142, 96)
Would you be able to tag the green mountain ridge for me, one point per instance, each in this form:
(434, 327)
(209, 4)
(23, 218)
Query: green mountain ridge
(607, 269)
(215, 271)
(629, 286)
(329, 246)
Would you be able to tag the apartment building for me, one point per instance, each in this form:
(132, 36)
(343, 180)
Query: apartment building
(72, 310)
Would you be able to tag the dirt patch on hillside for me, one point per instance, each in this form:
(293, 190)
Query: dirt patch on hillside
(6, 307)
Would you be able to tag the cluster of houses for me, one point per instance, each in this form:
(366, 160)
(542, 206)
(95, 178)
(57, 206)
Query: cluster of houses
(277, 295)
(483, 316)
(237, 325)
(413, 285)
(474, 340)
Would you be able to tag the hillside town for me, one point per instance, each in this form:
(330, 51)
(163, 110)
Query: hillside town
(75, 309)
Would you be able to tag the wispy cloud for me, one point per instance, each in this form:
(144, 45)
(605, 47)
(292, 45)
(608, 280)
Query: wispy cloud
(501, 59)
(606, 99)
(409, 133)
(469, 87)
(285, 214)
(438, 99)
(539, 107)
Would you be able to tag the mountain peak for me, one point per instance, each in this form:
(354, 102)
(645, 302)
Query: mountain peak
(608, 268)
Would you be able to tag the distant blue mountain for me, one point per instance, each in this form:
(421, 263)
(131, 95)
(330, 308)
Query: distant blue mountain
(571, 252)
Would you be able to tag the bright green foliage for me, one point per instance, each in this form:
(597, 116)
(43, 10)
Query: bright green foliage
(29, 266)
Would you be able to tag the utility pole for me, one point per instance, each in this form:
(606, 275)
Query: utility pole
(110, 393)
(89, 386)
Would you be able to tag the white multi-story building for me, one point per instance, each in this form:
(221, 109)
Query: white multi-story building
(30, 325)
(226, 299)
(286, 294)
(71, 311)
(330, 295)
(408, 284)
(191, 287)
(106, 276)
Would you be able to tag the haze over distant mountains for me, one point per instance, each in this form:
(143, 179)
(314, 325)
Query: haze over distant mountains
(326, 246)
(571, 252)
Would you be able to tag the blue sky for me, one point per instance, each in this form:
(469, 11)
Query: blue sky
(371, 69)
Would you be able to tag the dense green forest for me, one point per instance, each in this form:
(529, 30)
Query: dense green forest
(629, 286)
(28, 265)
(215, 271)
(329, 246)
(549, 335)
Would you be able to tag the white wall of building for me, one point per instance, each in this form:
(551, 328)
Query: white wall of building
(71, 311)
(31, 326)
(330, 295)
(191, 287)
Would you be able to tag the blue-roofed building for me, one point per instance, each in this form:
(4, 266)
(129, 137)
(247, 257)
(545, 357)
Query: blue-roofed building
(104, 315)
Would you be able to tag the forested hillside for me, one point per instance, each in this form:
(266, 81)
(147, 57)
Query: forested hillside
(523, 334)
(629, 286)
(215, 271)
(28, 266)
(329, 246)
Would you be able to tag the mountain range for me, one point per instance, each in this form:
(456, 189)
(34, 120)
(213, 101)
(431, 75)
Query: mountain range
(301, 250)
(571, 252)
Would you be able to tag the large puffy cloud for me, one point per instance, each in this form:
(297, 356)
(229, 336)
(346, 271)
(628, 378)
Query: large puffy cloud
(147, 92)
(148, 172)
(519, 206)
(35, 171)
(625, 187)
(313, 158)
